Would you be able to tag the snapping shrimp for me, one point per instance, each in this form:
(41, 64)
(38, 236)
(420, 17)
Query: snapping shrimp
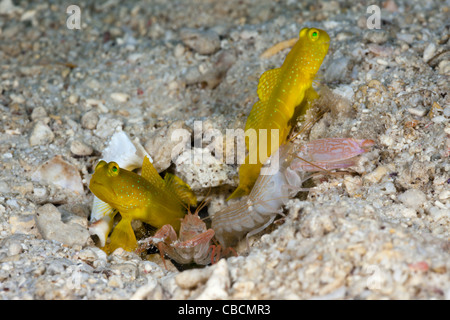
(279, 183)
(193, 245)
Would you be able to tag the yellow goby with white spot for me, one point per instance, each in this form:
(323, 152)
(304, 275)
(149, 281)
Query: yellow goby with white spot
(280, 91)
(148, 198)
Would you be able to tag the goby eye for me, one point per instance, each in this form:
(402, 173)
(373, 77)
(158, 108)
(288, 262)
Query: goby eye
(313, 34)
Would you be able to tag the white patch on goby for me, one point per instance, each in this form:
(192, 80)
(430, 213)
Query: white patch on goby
(100, 209)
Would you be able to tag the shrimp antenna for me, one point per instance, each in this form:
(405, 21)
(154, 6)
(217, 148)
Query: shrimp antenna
(203, 204)
(312, 164)
(308, 125)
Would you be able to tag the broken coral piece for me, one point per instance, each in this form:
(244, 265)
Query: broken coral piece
(126, 153)
(60, 173)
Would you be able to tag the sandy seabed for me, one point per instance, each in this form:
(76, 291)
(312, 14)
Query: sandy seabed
(149, 67)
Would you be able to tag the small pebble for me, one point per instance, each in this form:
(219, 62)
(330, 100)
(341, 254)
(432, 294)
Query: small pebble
(107, 126)
(90, 120)
(134, 57)
(12, 203)
(173, 85)
(376, 175)
(337, 70)
(214, 76)
(203, 42)
(437, 213)
(429, 52)
(28, 15)
(4, 187)
(376, 36)
(447, 111)
(14, 248)
(120, 97)
(40, 192)
(409, 212)
(17, 98)
(218, 284)
(73, 98)
(389, 188)
(38, 113)
(444, 67)
(23, 224)
(41, 134)
(249, 34)
(444, 195)
(390, 6)
(115, 282)
(439, 119)
(418, 111)
(80, 148)
(190, 279)
(97, 103)
(447, 130)
(179, 51)
(380, 50)
(8, 7)
(413, 198)
(50, 226)
(407, 37)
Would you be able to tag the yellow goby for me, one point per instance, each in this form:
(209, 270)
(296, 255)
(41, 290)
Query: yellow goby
(148, 198)
(280, 91)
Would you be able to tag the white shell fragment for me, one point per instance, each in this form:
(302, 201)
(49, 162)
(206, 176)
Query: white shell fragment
(60, 173)
(41, 134)
(126, 153)
(120, 97)
(101, 227)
